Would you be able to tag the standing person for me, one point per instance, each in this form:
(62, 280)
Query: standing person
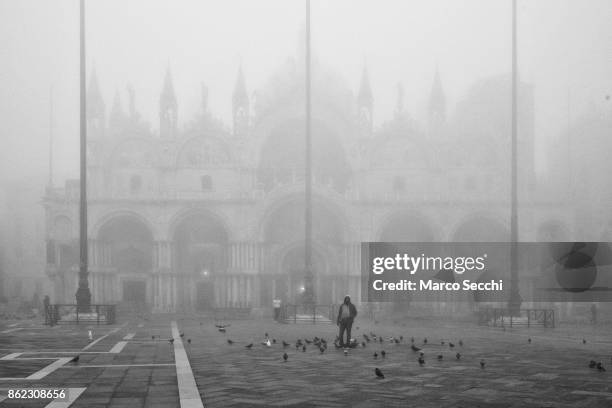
(346, 316)
(277, 309)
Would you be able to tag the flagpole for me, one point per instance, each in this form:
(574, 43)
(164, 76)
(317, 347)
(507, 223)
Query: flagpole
(308, 296)
(83, 295)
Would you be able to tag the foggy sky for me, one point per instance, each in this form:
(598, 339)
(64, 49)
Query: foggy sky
(565, 47)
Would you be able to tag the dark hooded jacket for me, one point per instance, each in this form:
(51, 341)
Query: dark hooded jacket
(352, 309)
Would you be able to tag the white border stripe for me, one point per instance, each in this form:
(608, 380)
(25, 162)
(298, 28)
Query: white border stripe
(118, 347)
(73, 394)
(189, 396)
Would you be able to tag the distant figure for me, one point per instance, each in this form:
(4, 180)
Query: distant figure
(47, 308)
(593, 313)
(277, 309)
(346, 316)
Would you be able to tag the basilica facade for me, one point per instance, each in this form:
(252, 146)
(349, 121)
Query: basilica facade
(211, 215)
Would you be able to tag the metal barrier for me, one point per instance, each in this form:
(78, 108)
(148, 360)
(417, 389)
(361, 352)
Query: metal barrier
(526, 317)
(70, 314)
(309, 313)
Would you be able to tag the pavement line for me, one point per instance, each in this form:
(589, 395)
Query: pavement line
(11, 356)
(129, 336)
(93, 343)
(13, 325)
(121, 365)
(45, 371)
(12, 330)
(189, 396)
(118, 347)
(73, 394)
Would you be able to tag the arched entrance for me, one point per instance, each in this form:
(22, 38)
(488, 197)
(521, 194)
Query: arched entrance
(283, 277)
(201, 242)
(129, 244)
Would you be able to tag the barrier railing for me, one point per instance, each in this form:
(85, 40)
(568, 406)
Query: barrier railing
(71, 314)
(526, 317)
(309, 313)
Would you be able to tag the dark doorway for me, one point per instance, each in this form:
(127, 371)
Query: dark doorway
(135, 291)
(205, 296)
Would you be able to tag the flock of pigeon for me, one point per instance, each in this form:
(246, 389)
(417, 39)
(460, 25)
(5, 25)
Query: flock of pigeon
(321, 344)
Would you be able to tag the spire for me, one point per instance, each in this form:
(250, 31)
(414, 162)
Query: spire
(365, 102)
(168, 109)
(437, 104)
(95, 107)
(240, 105)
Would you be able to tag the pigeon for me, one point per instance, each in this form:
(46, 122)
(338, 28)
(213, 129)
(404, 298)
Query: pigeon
(182, 335)
(583, 341)
(365, 336)
(249, 346)
(308, 341)
(230, 341)
(222, 329)
(461, 343)
(600, 367)
(401, 338)
(383, 353)
(482, 363)
(266, 335)
(592, 364)
(345, 352)
(363, 344)
(415, 348)
(322, 349)
(375, 355)
(75, 359)
(529, 340)
(189, 341)
(304, 348)
(379, 373)
(451, 344)
(396, 340)
(171, 341)
(412, 340)
(222, 326)
(440, 357)
(285, 356)
(285, 344)
(425, 340)
(421, 361)
(266, 343)
(153, 337)
(441, 342)
(458, 356)
(273, 341)
(380, 339)
(90, 335)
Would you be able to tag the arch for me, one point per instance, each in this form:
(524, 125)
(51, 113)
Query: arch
(283, 220)
(182, 216)
(406, 226)
(480, 228)
(121, 213)
(130, 243)
(200, 239)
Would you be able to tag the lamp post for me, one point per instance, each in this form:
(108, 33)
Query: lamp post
(83, 295)
(308, 296)
(514, 302)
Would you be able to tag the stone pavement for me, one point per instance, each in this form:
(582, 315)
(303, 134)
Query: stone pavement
(125, 367)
